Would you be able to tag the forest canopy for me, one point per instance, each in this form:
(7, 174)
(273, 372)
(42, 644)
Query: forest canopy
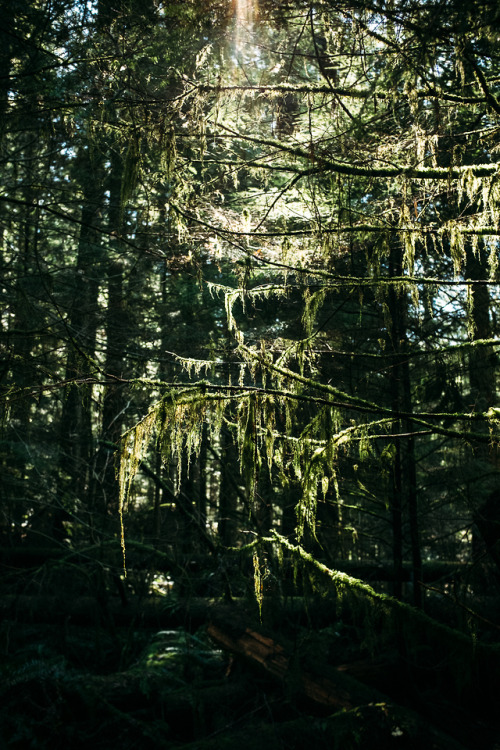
(249, 267)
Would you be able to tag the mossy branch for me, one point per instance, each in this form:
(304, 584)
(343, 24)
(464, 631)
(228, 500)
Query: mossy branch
(466, 661)
(337, 167)
(430, 92)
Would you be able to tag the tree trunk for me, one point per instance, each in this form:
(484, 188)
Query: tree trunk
(76, 453)
(482, 375)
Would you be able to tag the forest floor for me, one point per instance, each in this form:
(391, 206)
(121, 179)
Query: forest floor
(158, 670)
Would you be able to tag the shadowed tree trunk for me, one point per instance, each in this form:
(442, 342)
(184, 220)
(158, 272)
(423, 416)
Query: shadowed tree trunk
(76, 456)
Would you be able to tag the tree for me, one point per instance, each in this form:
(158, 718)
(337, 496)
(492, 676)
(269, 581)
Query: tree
(376, 188)
(338, 199)
(249, 259)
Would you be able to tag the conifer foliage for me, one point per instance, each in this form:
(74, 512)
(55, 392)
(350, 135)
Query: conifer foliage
(249, 268)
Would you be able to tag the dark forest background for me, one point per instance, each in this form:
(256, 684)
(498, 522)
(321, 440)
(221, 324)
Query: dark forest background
(248, 373)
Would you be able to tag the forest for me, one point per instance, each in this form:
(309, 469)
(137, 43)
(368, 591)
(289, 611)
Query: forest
(249, 363)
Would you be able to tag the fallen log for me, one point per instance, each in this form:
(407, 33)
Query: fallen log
(272, 658)
(322, 689)
(456, 664)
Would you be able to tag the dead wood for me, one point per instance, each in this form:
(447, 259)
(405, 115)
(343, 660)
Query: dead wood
(347, 687)
(272, 658)
(438, 657)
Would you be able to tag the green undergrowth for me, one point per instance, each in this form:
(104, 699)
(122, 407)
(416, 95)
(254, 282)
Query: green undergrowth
(74, 689)
(161, 683)
(364, 728)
